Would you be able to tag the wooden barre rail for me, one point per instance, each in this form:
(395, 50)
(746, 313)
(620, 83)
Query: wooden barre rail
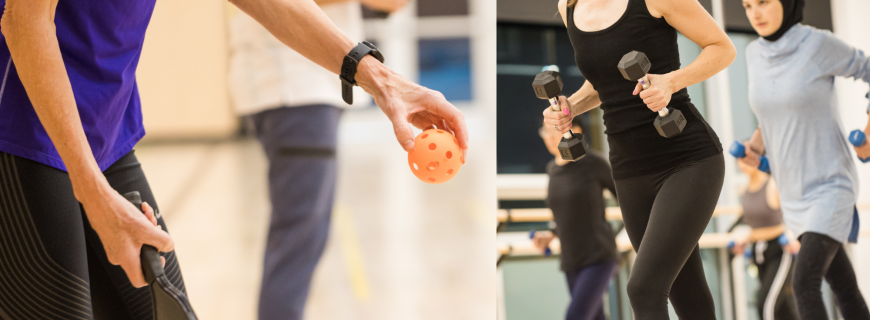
(527, 248)
(610, 213)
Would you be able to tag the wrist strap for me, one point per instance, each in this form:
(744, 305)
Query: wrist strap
(350, 64)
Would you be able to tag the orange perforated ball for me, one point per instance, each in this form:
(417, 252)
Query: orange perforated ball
(436, 157)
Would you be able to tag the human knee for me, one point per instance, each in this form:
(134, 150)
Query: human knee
(640, 291)
(805, 285)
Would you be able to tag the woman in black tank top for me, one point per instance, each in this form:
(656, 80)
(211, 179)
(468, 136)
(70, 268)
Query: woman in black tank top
(668, 187)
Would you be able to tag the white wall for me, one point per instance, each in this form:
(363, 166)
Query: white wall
(850, 24)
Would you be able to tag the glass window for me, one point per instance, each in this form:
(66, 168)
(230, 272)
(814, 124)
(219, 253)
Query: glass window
(445, 65)
(521, 53)
(373, 14)
(426, 8)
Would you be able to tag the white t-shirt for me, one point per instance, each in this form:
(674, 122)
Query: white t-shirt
(266, 74)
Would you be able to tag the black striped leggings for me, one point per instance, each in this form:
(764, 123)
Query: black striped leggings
(52, 264)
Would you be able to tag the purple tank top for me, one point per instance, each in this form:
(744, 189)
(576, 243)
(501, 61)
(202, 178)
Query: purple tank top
(101, 42)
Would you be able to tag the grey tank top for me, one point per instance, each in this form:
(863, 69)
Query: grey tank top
(757, 213)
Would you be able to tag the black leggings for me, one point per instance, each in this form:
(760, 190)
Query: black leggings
(822, 256)
(775, 272)
(665, 214)
(52, 264)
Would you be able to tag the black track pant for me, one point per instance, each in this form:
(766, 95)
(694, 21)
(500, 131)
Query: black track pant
(665, 214)
(822, 256)
(775, 270)
(52, 264)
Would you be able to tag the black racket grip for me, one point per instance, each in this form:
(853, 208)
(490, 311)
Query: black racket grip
(152, 267)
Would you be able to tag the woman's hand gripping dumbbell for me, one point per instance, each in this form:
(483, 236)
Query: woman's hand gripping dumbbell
(548, 85)
(738, 150)
(859, 141)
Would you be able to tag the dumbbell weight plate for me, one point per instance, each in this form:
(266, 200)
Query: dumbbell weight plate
(573, 149)
(671, 124)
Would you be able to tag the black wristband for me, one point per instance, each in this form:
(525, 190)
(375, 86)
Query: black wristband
(350, 64)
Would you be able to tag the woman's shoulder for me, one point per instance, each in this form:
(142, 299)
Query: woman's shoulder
(813, 31)
(822, 43)
(812, 36)
(563, 11)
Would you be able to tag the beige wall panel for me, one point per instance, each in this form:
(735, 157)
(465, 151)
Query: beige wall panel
(183, 72)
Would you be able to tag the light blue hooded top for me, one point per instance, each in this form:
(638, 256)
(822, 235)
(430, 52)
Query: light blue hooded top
(791, 91)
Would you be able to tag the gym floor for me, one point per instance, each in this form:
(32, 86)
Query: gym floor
(396, 250)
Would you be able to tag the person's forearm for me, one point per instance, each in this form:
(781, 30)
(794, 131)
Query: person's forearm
(388, 6)
(302, 26)
(32, 41)
(384, 5)
(757, 141)
(713, 58)
(585, 99)
(325, 2)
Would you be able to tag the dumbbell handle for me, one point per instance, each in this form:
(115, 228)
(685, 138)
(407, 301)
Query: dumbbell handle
(554, 104)
(857, 138)
(644, 83)
(739, 151)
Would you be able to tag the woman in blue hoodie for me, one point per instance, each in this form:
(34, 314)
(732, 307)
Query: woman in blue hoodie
(791, 91)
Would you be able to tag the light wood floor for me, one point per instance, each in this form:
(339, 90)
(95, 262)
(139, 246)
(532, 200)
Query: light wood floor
(398, 249)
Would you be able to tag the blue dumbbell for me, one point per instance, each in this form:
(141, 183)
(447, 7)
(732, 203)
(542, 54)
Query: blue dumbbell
(547, 251)
(783, 240)
(739, 151)
(746, 253)
(857, 138)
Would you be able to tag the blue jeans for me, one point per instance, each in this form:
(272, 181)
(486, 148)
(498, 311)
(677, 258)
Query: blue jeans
(588, 286)
(300, 144)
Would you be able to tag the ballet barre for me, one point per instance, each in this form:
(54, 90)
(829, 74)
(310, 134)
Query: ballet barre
(610, 213)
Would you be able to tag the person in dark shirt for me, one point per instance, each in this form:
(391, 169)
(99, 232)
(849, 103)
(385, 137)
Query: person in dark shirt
(588, 255)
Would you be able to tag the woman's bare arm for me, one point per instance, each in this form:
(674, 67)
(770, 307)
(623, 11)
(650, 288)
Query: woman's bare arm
(717, 51)
(28, 26)
(772, 194)
(754, 149)
(30, 34)
(302, 26)
(584, 99)
(693, 21)
(382, 5)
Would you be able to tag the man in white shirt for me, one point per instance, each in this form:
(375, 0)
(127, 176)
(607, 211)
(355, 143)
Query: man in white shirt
(294, 106)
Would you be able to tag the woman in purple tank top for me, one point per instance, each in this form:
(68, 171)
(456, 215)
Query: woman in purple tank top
(69, 118)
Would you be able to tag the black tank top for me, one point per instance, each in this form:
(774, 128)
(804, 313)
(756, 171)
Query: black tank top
(636, 148)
